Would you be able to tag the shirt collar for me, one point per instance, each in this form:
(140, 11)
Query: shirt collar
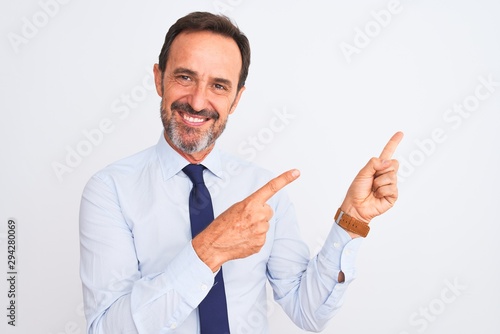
(172, 162)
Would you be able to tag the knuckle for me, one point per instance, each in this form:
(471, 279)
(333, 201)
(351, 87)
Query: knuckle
(268, 212)
(261, 241)
(262, 229)
(373, 160)
(395, 164)
(289, 178)
(273, 186)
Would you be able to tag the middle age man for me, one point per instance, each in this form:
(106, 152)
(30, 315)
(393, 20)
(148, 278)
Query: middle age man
(144, 272)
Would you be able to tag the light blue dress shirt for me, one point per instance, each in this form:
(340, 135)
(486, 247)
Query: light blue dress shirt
(140, 273)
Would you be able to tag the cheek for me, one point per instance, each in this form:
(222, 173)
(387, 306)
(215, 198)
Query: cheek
(173, 92)
(224, 105)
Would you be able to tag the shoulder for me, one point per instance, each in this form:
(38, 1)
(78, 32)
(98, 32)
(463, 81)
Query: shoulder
(128, 167)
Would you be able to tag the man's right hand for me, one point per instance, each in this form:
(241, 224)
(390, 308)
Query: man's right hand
(241, 230)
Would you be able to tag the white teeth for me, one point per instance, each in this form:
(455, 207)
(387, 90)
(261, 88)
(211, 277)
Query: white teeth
(193, 119)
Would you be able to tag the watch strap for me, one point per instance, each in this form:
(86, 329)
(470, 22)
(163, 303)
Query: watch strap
(351, 224)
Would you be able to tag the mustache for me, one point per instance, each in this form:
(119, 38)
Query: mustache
(186, 108)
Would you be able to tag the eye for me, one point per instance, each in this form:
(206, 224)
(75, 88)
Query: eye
(219, 87)
(184, 80)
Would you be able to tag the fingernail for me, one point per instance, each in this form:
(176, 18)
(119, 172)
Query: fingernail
(295, 173)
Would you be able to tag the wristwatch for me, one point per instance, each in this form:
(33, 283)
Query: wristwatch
(351, 224)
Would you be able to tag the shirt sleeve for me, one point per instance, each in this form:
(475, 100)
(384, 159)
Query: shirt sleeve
(308, 289)
(117, 298)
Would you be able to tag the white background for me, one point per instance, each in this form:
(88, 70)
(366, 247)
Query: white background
(75, 69)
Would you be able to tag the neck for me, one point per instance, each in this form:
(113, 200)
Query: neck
(194, 158)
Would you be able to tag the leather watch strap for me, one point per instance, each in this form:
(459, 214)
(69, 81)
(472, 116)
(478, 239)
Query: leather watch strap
(351, 224)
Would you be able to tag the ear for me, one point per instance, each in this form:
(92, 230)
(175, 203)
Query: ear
(158, 79)
(236, 100)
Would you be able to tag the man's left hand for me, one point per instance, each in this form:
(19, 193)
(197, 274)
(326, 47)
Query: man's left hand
(374, 190)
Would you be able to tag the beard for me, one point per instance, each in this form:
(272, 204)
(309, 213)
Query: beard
(191, 139)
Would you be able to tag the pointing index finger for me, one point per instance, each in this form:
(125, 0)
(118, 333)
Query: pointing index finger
(391, 146)
(268, 190)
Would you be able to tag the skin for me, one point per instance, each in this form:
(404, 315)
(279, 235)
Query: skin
(374, 190)
(203, 71)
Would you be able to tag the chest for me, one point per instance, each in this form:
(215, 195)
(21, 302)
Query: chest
(159, 219)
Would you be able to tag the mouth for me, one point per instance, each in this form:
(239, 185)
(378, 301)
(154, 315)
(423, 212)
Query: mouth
(191, 117)
(193, 120)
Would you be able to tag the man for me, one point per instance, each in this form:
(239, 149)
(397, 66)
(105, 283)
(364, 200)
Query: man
(143, 268)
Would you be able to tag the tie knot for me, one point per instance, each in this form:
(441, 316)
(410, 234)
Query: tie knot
(194, 172)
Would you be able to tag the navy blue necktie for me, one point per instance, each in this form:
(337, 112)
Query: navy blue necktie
(213, 309)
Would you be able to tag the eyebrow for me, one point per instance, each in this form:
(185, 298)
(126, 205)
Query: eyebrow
(183, 70)
(223, 81)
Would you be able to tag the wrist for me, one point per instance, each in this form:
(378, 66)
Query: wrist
(206, 253)
(354, 227)
(352, 212)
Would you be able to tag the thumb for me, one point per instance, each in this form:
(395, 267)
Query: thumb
(373, 166)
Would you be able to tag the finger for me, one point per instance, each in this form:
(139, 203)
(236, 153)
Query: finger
(374, 167)
(389, 192)
(391, 146)
(272, 187)
(264, 214)
(384, 180)
(392, 166)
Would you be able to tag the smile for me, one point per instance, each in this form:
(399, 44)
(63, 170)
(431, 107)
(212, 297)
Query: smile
(190, 119)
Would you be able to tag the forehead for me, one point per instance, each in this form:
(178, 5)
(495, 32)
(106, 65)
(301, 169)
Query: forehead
(206, 53)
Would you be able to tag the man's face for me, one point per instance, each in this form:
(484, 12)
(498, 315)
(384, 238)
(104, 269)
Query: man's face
(198, 89)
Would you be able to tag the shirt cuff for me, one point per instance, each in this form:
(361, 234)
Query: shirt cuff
(185, 276)
(340, 251)
(192, 276)
(166, 300)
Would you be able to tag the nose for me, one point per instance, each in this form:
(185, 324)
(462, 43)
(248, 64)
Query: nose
(198, 98)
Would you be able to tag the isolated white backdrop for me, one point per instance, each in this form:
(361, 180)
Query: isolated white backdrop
(344, 76)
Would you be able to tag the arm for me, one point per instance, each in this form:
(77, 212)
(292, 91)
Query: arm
(117, 298)
(312, 292)
(307, 290)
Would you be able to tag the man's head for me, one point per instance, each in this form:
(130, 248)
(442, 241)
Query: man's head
(201, 74)
(218, 24)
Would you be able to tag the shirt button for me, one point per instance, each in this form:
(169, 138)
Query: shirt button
(336, 245)
(203, 287)
(173, 326)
